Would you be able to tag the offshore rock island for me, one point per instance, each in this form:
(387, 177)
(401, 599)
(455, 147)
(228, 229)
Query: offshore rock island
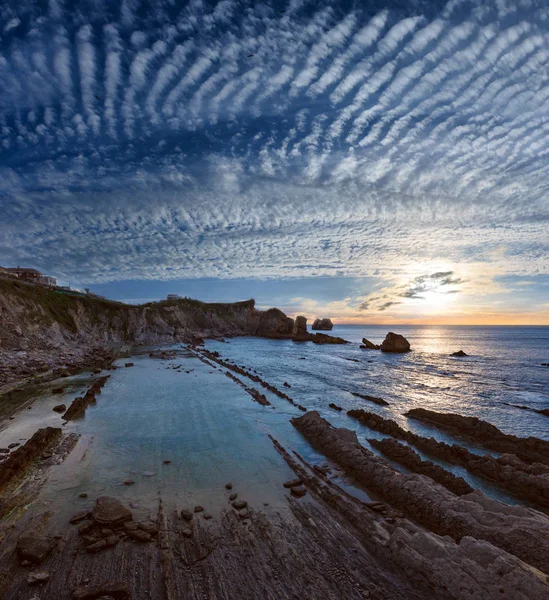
(132, 464)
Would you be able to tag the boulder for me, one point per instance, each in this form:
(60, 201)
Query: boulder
(35, 548)
(368, 345)
(186, 514)
(38, 577)
(323, 325)
(299, 491)
(395, 343)
(299, 330)
(60, 408)
(459, 353)
(109, 511)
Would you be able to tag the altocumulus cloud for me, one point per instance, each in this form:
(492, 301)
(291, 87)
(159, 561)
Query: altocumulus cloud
(161, 140)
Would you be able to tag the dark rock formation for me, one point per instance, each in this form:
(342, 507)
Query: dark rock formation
(396, 343)
(335, 407)
(368, 345)
(60, 408)
(35, 547)
(322, 338)
(405, 456)
(519, 531)
(273, 323)
(373, 399)
(528, 481)
(540, 411)
(299, 330)
(459, 353)
(322, 325)
(214, 356)
(110, 512)
(529, 449)
(21, 458)
(79, 404)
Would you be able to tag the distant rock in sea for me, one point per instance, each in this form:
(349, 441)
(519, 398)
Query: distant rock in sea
(396, 343)
(368, 345)
(299, 331)
(322, 325)
(459, 353)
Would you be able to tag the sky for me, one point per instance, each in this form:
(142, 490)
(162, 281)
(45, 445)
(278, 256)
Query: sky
(371, 162)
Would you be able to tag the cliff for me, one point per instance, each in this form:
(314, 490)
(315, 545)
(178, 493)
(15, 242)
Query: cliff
(33, 317)
(47, 331)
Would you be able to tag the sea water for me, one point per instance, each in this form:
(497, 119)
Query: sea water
(212, 432)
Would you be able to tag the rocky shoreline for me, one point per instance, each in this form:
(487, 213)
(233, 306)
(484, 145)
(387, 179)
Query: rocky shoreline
(425, 533)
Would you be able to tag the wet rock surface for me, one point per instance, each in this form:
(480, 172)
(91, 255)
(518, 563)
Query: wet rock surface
(529, 449)
(524, 480)
(411, 460)
(521, 532)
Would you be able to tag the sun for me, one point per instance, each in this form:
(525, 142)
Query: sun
(438, 300)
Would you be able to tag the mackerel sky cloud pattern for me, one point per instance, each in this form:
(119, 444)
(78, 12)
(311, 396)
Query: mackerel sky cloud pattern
(167, 140)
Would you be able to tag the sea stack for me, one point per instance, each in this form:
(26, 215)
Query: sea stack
(299, 331)
(323, 325)
(394, 342)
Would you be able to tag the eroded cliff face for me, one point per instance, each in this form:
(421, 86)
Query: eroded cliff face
(33, 317)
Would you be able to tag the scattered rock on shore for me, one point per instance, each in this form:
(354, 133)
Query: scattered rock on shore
(38, 577)
(35, 548)
(186, 514)
(293, 483)
(60, 408)
(335, 406)
(110, 511)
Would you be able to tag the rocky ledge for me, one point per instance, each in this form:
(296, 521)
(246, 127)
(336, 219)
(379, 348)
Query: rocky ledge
(528, 449)
(519, 531)
(528, 481)
(22, 457)
(405, 456)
